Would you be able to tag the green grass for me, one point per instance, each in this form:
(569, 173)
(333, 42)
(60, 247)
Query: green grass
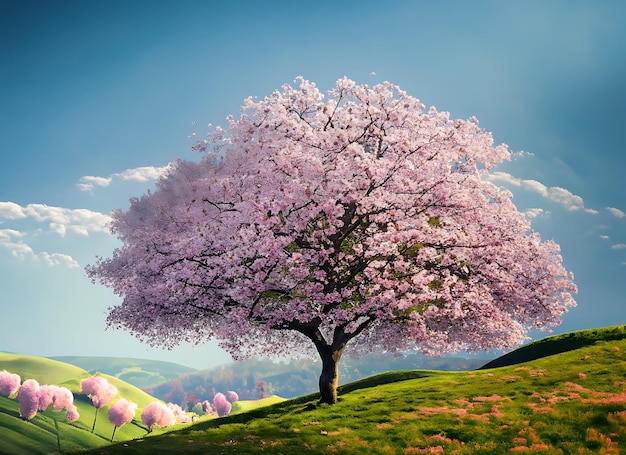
(570, 402)
(573, 401)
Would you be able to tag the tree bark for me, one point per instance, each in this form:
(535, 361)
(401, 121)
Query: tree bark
(329, 378)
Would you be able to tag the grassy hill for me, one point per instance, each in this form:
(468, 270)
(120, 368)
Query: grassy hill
(48, 431)
(138, 372)
(573, 401)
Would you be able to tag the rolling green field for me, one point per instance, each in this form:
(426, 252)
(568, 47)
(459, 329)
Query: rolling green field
(572, 402)
(48, 432)
(571, 399)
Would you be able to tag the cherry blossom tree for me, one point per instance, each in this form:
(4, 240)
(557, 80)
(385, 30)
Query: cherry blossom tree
(60, 398)
(208, 408)
(100, 391)
(221, 405)
(315, 221)
(28, 399)
(232, 396)
(180, 415)
(120, 413)
(157, 413)
(9, 383)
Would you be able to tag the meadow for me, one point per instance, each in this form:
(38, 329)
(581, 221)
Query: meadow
(573, 401)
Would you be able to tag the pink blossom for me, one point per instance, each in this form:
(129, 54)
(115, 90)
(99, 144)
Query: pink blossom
(63, 398)
(221, 404)
(232, 396)
(72, 413)
(207, 408)
(157, 413)
(59, 397)
(99, 389)
(122, 412)
(28, 398)
(9, 383)
(180, 415)
(46, 396)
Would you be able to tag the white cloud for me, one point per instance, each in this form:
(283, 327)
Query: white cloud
(11, 211)
(534, 213)
(616, 212)
(521, 154)
(87, 182)
(60, 219)
(556, 194)
(59, 259)
(11, 240)
(619, 246)
(604, 237)
(138, 174)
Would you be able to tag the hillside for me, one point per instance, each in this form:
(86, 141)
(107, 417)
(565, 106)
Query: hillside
(569, 402)
(48, 431)
(256, 378)
(138, 372)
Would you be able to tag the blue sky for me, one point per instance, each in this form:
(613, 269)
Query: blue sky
(96, 97)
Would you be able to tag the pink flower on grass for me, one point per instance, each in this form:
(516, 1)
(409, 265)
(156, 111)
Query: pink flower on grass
(28, 398)
(9, 383)
(122, 412)
(232, 396)
(157, 413)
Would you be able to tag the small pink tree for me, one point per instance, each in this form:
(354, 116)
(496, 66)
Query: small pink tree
(9, 383)
(46, 396)
(221, 404)
(232, 396)
(28, 398)
(180, 415)
(208, 408)
(157, 413)
(121, 412)
(100, 392)
(63, 399)
(60, 398)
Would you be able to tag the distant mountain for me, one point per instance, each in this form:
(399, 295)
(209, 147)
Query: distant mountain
(253, 379)
(138, 372)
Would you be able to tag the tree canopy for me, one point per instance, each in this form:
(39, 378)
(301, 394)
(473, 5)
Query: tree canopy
(321, 219)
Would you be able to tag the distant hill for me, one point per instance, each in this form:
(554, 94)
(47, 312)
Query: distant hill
(139, 372)
(253, 379)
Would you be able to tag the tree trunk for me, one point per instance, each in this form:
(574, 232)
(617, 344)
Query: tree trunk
(329, 378)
